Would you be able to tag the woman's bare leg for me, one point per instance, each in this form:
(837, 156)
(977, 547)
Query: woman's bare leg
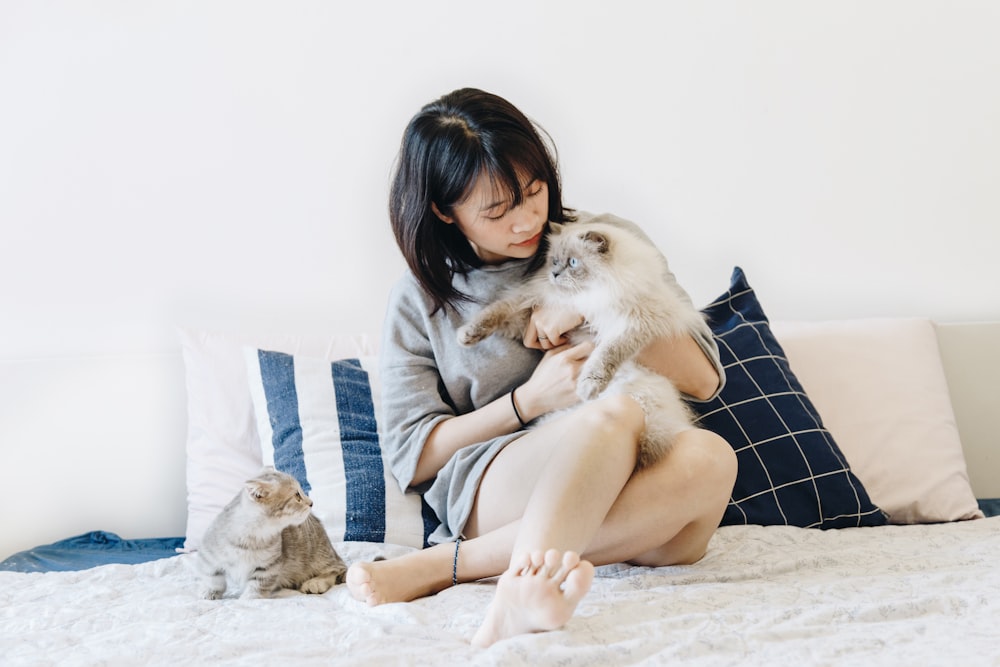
(428, 571)
(531, 496)
(576, 484)
(663, 515)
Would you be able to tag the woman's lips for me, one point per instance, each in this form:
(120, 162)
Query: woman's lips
(530, 242)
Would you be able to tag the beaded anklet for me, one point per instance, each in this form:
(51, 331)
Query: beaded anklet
(454, 564)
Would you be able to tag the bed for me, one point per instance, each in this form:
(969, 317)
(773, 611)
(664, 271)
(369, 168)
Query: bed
(863, 527)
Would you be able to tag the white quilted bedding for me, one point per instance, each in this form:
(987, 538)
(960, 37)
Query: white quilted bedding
(913, 595)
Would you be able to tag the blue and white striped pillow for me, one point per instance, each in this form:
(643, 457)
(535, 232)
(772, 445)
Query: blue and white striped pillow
(317, 421)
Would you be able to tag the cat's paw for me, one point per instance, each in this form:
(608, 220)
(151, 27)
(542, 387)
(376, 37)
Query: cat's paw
(588, 387)
(212, 593)
(316, 585)
(257, 591)
(470, 334)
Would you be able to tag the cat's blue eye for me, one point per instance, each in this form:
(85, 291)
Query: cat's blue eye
(573, 262)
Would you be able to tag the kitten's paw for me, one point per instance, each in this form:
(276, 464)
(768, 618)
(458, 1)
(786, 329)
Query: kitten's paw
(317, 585)
(212, 593)
(257, 592)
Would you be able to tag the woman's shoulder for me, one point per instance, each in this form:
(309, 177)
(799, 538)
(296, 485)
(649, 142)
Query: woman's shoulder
(407, 297)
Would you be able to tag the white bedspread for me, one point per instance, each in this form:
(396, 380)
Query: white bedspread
(913, 595)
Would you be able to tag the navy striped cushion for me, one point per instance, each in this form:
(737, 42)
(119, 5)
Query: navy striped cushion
(317, 421)
(791, 472)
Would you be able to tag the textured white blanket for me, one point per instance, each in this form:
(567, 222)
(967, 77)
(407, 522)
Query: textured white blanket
(896, 595)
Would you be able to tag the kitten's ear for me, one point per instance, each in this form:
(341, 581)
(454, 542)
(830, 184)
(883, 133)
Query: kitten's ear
(257, 489)
(555, 227)
(599, 242)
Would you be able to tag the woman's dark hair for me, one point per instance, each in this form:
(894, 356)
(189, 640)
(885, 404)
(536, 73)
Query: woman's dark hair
(445, 148)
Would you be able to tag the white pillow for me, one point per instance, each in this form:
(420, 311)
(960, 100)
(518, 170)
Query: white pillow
(880, 388)
(317, 421)
(223, 448)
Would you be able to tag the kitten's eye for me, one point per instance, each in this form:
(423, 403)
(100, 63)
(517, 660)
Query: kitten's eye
(573, 262)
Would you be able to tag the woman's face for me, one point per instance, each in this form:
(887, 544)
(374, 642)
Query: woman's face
(496, 231)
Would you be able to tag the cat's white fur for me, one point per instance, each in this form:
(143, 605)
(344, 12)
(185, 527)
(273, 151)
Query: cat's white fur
(618, 282)
(265, 539)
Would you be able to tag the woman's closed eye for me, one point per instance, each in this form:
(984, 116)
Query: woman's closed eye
(532, 189)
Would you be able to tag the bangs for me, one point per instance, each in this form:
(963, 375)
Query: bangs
(509, 176)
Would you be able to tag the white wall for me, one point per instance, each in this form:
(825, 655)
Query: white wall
(225, 164)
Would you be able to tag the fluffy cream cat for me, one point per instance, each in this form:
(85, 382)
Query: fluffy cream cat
(617, 281)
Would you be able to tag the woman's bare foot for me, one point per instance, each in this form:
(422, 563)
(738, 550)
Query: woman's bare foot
(538, 592)
(402, 579)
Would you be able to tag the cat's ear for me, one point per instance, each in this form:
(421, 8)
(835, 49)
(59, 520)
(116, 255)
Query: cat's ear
(555, 227)
(257, 489)
(598, 241)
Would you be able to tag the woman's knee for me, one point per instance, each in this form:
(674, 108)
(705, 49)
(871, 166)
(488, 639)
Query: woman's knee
(614, 417)
(709, 472)
(721, 458)
(709, 461)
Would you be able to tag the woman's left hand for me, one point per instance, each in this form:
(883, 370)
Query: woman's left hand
(548, 327)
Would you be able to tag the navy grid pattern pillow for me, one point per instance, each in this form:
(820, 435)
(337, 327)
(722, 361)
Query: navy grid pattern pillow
(791, 472)
(317, 421)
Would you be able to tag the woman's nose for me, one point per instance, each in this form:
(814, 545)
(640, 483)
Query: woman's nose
(525, 217)
(522, 219)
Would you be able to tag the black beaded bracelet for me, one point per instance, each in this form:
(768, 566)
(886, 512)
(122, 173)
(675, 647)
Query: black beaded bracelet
(516, 413)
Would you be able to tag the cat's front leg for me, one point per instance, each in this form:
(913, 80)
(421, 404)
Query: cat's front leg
(214, 585)
(603, 363)
(596, 373)
(504, 316)
(592, 381)
(261, 584)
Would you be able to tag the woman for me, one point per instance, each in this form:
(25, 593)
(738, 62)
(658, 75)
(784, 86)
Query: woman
(474, 190)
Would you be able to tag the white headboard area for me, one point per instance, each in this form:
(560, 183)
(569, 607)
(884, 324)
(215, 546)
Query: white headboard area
(225, 165)
(971, 356)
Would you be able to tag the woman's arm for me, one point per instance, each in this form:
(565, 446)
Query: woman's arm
(681, 359)
(684, 362)
(551, 386)
(450, 435)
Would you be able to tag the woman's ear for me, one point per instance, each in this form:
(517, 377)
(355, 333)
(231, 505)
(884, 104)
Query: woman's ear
(444, 218)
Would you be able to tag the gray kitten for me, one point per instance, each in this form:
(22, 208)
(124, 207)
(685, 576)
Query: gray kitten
(618, 282)
(267, 538)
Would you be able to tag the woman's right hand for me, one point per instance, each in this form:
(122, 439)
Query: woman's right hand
(547, 327)
(553, 384)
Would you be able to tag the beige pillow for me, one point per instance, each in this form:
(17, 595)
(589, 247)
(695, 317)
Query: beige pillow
(880, 388)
